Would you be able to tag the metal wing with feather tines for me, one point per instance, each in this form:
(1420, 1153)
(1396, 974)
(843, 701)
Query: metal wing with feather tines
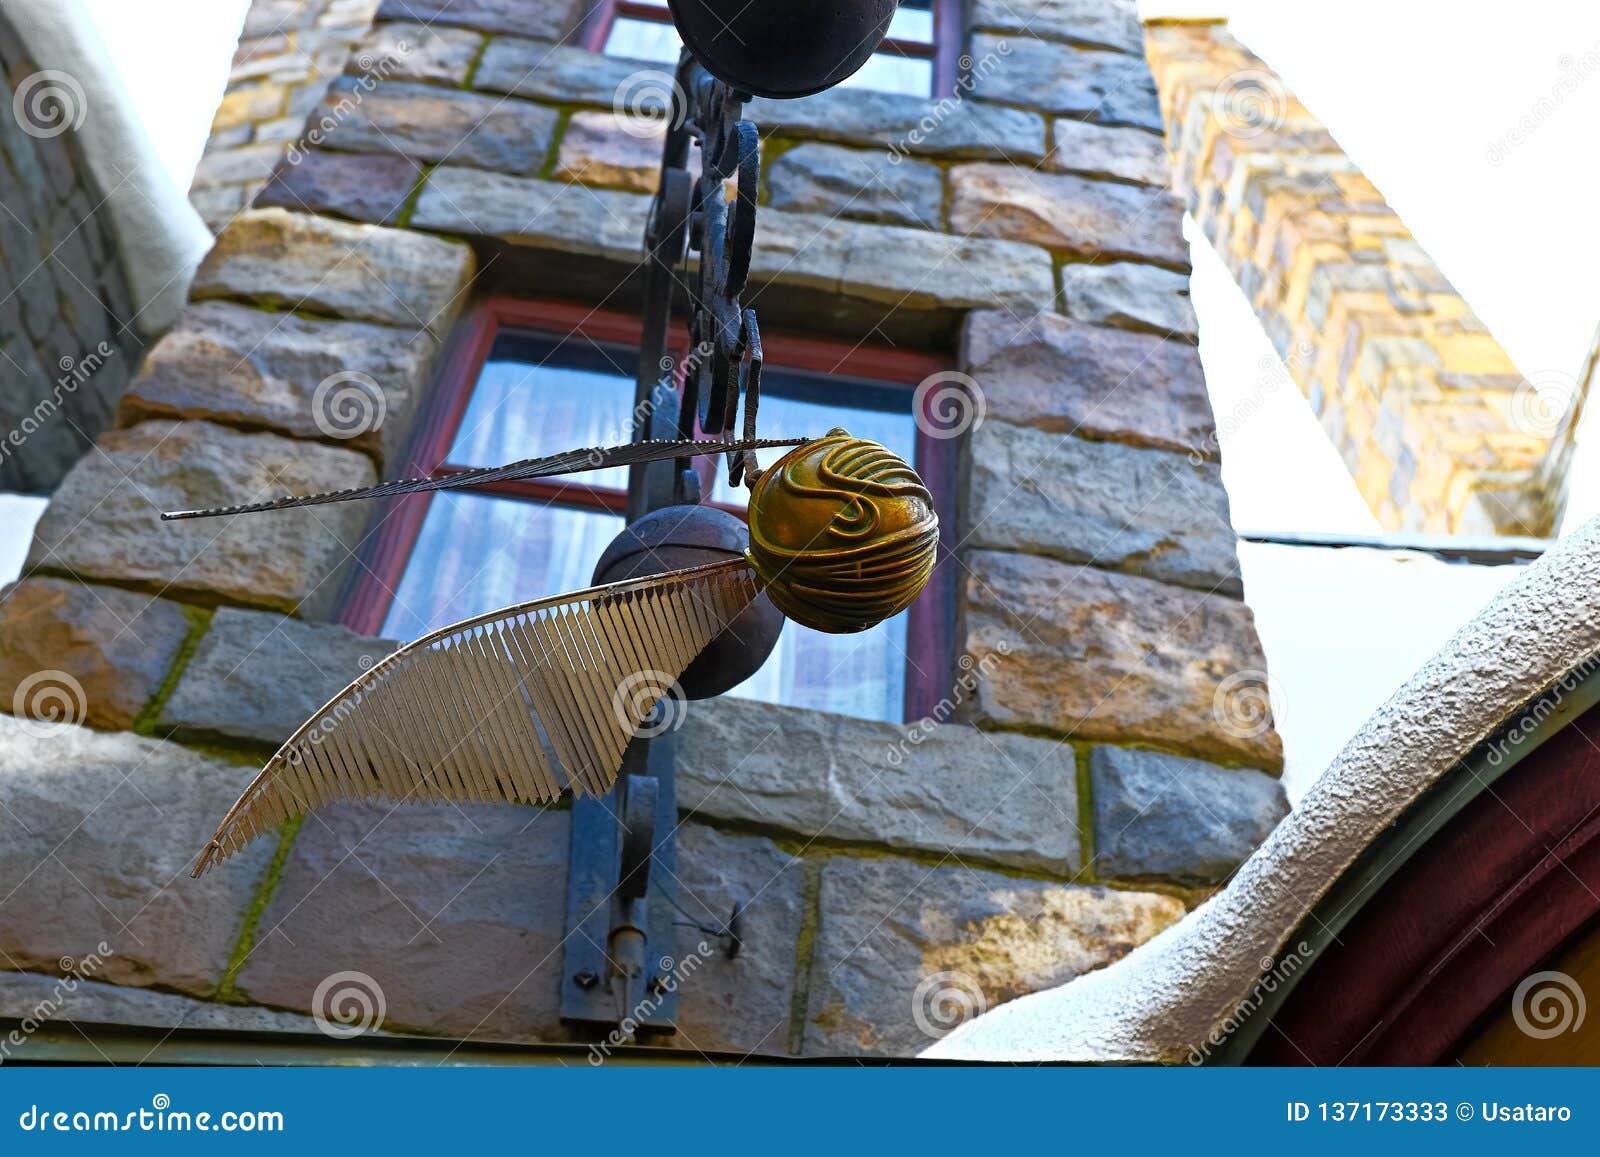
(519, 705)
(516, 706)
(523, 704)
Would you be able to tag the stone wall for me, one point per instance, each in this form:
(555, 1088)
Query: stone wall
(1440, 431)
(66, 346)
(1106, 757)
(289, 52)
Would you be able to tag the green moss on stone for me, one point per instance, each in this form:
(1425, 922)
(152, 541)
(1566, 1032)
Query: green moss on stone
(805, 947)
(199, 622)
(477, 59)
(403, 218)
(563, 123)
(227, 991)
(1086, 847)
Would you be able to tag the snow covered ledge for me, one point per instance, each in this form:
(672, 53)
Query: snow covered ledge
(1164, 999)
(160, 238)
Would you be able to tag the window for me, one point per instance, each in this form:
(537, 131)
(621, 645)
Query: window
(528, 378)
(918, 58)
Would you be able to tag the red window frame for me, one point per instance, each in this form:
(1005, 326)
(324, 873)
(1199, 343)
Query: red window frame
(944, 51)
(930, 628)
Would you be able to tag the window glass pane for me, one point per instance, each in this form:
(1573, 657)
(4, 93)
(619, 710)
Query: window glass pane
(888, 72)
(649, 40)
(536, 397)
(643, 40)
(913, 21)
(862, 675)
(796, 404)
(478, 553)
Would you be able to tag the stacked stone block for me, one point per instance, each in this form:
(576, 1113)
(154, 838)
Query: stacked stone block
(66, 343)
(1110, 691)
(1440, 431)
(289, 51)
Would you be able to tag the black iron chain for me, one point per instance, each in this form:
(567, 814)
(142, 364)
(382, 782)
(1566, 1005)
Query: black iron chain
(690, 215)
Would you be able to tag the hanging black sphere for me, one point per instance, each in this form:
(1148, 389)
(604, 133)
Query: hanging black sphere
(676, 537)
(782, 48)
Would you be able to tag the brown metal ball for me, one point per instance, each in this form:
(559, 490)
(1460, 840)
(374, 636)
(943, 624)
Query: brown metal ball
(678, 537)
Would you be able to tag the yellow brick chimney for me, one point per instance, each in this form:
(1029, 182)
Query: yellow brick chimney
(1439, 429)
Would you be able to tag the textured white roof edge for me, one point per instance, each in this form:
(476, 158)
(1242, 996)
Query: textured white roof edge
(1162, 1002)
(159, 236)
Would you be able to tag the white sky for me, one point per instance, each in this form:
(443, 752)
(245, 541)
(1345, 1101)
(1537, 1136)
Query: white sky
(173, 57)
(1418, 92)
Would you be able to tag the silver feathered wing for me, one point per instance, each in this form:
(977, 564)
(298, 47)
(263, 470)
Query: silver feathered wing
(518, 705)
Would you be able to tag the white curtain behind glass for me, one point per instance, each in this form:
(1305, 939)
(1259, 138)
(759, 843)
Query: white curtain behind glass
(658, 42)
(862, 675)
(524, 411)
(477, 553)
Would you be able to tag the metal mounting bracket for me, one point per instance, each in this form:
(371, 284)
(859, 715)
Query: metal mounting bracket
(620, 914)
(621, 906)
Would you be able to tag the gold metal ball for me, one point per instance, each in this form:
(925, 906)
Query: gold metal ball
(843, 533)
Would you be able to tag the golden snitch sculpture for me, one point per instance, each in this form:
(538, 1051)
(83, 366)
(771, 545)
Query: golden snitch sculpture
(522, 704)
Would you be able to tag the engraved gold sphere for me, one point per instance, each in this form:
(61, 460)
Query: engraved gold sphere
(843, 533)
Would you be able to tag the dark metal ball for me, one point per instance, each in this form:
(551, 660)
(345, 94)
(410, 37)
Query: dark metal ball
(782, 48)
(677, 537)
